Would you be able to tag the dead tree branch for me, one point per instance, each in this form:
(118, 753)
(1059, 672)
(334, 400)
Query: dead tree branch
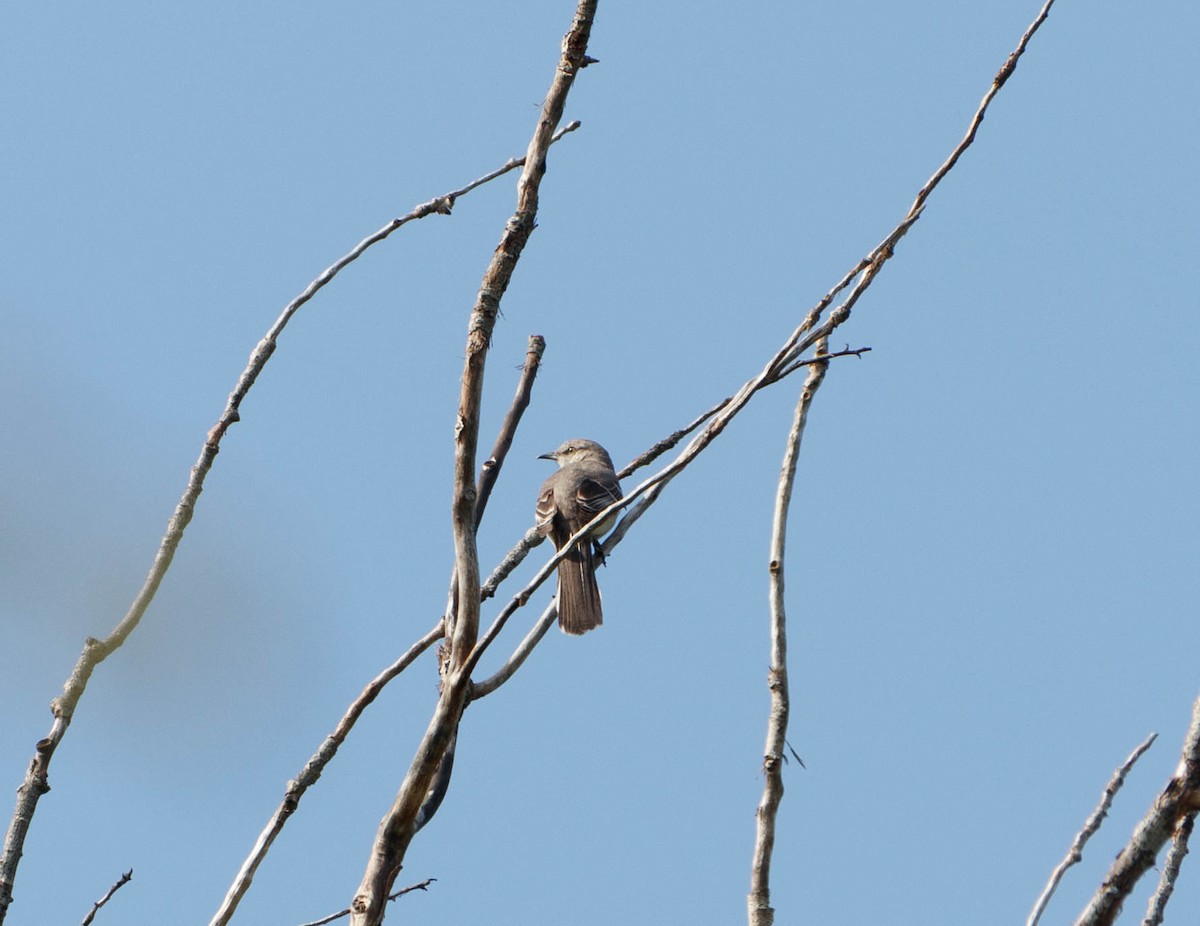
(1157, 906)
(120, 883)
(490, 471)
(1178, 801)
(311, 772)
(758, 902)
(400, 823)
(1075, 854)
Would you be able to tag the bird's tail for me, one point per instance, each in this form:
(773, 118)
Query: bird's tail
(578, 594)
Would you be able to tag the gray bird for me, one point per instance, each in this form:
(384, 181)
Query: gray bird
(584, 485)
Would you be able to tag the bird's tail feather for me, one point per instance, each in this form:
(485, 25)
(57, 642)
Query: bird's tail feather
(579, 607)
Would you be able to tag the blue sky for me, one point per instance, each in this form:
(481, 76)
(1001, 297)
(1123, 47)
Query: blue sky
(992, 577)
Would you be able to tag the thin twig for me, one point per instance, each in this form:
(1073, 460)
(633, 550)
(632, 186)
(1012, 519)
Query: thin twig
(531, 639)
(1157, 906)
(512, 559)
(120, 883)
(490, 471)
(822, 358)
(870, 265)
(1075, 854)
(1180, 798)
(423, 886)
(662, 446)
(311, 772)
(399, 824)
(758, 902)
(95, 651)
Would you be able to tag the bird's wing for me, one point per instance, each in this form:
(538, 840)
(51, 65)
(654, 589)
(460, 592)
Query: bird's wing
(594, 495)
(546, 510)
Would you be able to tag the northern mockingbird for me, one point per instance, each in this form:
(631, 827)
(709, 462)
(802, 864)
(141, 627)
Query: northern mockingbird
(584, 485)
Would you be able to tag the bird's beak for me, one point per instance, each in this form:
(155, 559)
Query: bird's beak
(547, 456)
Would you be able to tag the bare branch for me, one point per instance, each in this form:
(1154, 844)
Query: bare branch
(824, 358)
(758, 902)
(1179, 799)
(671, 440)
(519, 655)
(490, 471)
(398, 826)
(512, 559)
(1075, 854)
(311, 772)
(488, 474)
(868, 268)
(422, 886)
(95, 651)
(1157, 906)
(120, 883)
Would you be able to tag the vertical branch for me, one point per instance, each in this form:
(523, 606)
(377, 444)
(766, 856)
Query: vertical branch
(399, 825)
(489, 472)
(483, 320)
(758, 903)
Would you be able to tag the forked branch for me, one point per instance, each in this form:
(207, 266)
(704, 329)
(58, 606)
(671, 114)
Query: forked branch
(400, 823)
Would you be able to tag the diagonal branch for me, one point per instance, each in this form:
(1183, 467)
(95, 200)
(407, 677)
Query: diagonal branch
(311, 772)
(1075, 854)
(117, 885)
(490, 471)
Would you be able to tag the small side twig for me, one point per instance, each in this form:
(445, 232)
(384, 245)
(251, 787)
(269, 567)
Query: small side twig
(120, 883)
(758, 902)
(662, 446)
(490, 471)
(423, 886)
(1075, 854)
(531, 639)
